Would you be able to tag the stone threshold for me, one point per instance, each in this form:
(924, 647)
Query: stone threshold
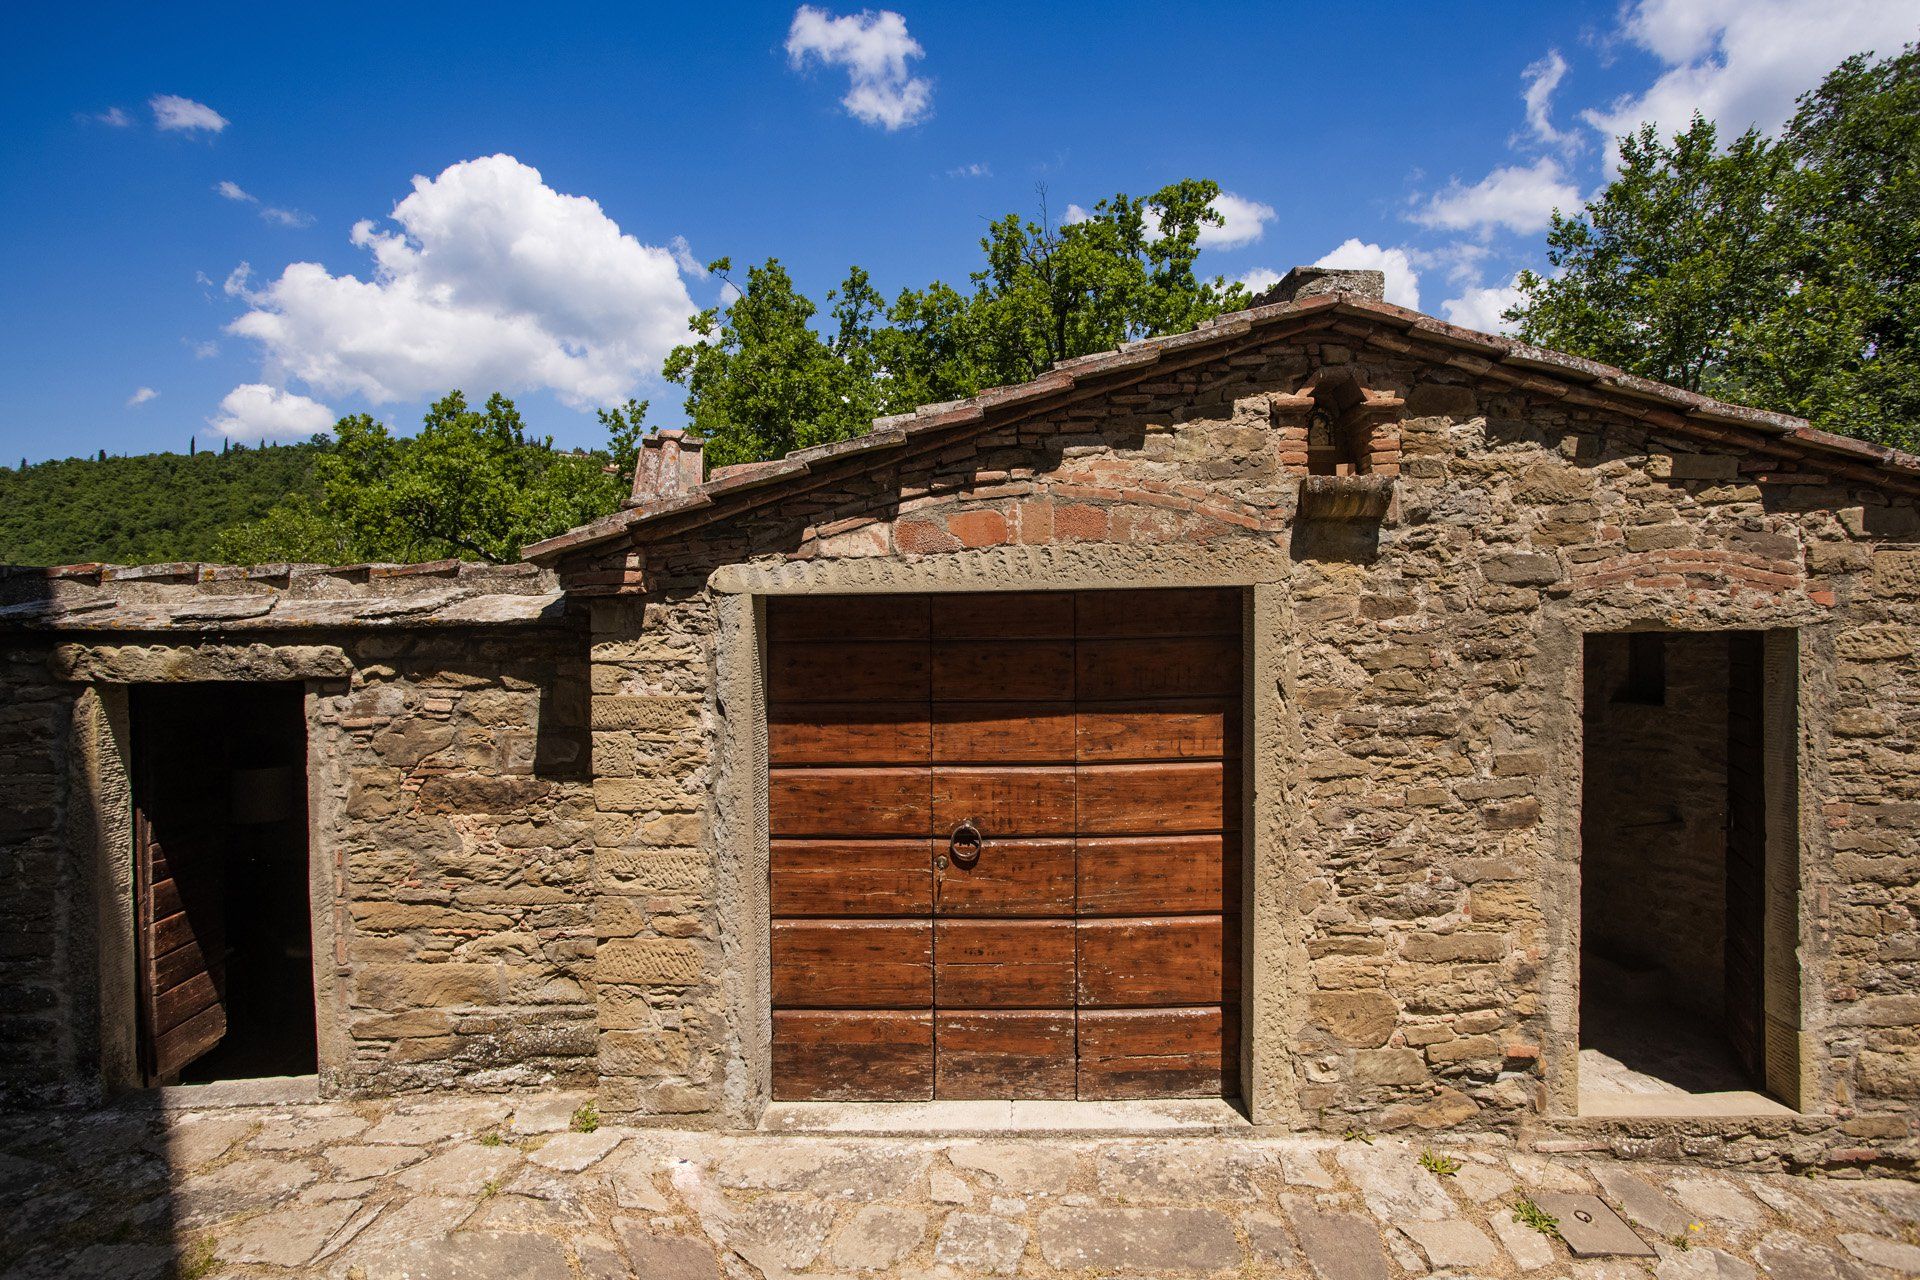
(1732, 1105)
(1001, 1118)
(265, 1091)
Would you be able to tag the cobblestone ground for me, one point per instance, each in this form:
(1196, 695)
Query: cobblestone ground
(452, 1191)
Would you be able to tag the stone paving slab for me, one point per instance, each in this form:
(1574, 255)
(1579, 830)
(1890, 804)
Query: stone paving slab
(505, 1187)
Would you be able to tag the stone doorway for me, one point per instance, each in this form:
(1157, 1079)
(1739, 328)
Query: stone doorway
(1689, 875)
(223, 933)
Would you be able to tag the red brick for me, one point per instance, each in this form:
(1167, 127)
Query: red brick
(1078, 522)
(1035, 521)
(924, 535)
(978, 528)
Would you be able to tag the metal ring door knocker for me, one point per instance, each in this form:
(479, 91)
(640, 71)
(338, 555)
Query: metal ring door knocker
(965, 844)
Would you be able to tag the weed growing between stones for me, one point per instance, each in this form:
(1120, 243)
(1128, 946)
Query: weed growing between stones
(1433, 1162)
(492, 1138)
(1358, 1135)
(1529, 1214)
(197, 1262)
(1684, 1240)
(586, 1119)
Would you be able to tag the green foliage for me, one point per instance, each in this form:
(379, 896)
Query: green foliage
(1529, 1214)
(149, 509)
(471, 485)
(1781, 272)
(1433, 1162)
(761, 380)
(586, 1119)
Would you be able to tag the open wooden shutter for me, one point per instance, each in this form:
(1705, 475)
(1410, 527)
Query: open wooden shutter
(180, 810)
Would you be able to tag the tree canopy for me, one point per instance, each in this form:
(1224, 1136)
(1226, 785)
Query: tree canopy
(762, 380)
(150, 508)
(470, 484)
(1778, 272)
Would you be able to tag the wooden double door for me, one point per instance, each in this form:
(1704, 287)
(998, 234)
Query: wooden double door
(1005, 844)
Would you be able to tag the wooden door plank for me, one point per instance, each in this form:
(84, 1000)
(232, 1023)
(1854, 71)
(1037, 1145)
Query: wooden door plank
(181, 1045)
(1004, 801)
(170, 933)
(1190, 667)
(889, 617)
(1004, 1053)
(1172, 611)
(852, 964)
(1003, 732)
(1141, 962)
(837, 733)
(184, 1000)
(1173, 729)
(1011, 878)
(852, 1055)
(852, 877)
(1003, 964)
(1157, 875)
(1168, 798)
(1003, 615)
(847, 671)
(849, 802)
(179, 964)
(1002, 670)
(1159, 1053)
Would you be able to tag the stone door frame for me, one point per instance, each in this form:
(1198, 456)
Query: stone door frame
(100, 808)
(1270, 986)
(1797, 633)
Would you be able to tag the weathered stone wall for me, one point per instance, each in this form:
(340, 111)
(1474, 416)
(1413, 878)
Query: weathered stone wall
(1423, 871)
(1653, 860)
(42, 1018)
(664, 1033)
(456, 818)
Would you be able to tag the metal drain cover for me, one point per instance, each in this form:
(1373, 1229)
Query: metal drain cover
(1591, 1229)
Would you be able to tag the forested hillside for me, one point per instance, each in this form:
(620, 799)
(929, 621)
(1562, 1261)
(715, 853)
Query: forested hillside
(146, 509)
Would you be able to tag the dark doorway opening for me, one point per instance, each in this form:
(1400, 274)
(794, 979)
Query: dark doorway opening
(1687, 890)
(223, 926)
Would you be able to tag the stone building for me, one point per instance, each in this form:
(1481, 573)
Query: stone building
(1370, 722)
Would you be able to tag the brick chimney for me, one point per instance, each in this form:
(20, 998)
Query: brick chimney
(669, 466)
(1310, 282)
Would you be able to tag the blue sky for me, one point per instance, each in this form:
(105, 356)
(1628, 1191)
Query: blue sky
(519, 198)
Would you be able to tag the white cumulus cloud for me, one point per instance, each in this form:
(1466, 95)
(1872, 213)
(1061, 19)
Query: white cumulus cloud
(141, 396)
(1403, 282)
(1518, 197)
(1244, 221)
(683, 258)
(256, 411)
(112, 116)
(492, 281)
(234, 191)
(1541, 79)
(184, 115)
(1481, 307)
(1259, 280)
(1742, 63)
(874, 48)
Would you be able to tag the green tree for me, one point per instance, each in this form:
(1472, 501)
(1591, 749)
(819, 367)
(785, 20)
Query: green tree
(1778, 272)
(470, 484)
(761, 380)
